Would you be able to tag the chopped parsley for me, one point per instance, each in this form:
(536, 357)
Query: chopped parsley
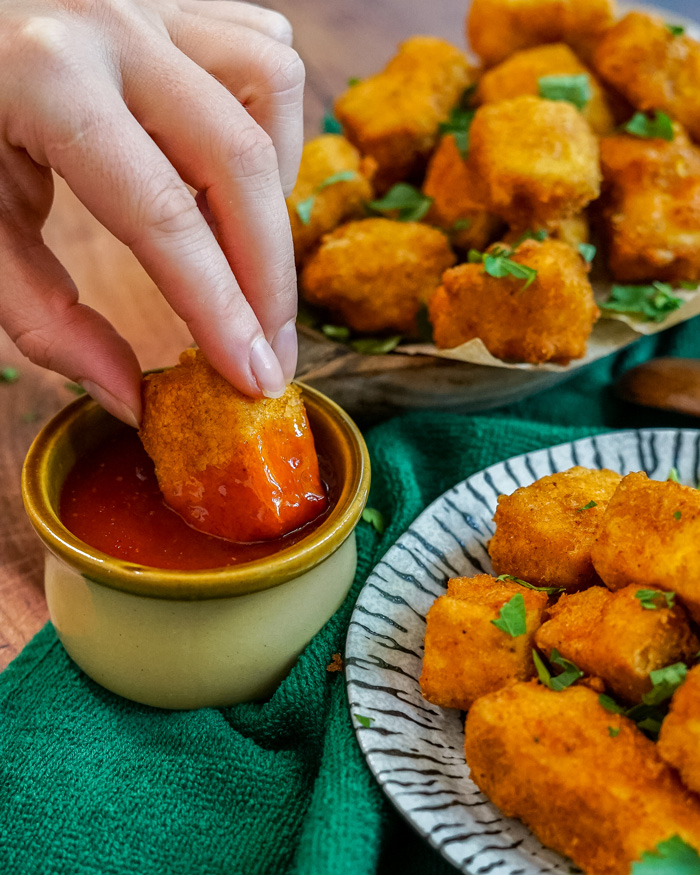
(9, 375)
(539, 235)
(498, 263)
(75, 388)
(659, 127)
(572, 89)
(612, 732)
(673, 475)
(665, 682)
(591, 504)
(653, 302)
(550, 590)
(336, 332)
(675, 29)
(647, 717)
(689, 285)
(375, 518)
(364, 721)
(653, 599)
(330, 124)
(588, 251)
(410, 203)
(458, 125)
(561, 681)
(512, 618)
(677, 515)
(376, 345)
(672, 857)
(304, 208)
(354, 80)
(460, 225)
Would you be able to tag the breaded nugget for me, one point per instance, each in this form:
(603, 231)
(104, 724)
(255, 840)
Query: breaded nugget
(588, 783)
(652, 67)
(679, 739)
(520, 74)
(330, 202)
(449, 182)
(649, 536)
(394, 116)
(544, 531)
(550, 320)
(497, 28)
(467, 656)
(241, 468)
(651, 207)
(536, 160)
(611, 635)
(374, 274)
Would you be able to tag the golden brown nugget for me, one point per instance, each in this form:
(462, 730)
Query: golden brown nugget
(497, 28)
(652, 67)
(651, 207)
(611, 635)
(465, 654)
(374, 274)
(241, 468)
(328, 202)
(588, 783)
(449, 182)
(550, 320)
(521, 73)
(679, 739)
(536, 160)
(544, 532)
(395, 115)
(649, 536)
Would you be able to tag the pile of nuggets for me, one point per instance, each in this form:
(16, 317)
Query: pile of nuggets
(527, 178)
(598, 574)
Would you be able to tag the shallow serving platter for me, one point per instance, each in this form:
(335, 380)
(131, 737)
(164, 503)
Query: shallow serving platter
(415, 749)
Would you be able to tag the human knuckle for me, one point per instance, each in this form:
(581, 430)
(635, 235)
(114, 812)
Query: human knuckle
(43, 44)
(252, 152)
(283, 69)
(166, 209)
(278, 26)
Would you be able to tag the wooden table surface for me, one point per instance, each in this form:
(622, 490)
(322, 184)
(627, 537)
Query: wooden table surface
(337, 39)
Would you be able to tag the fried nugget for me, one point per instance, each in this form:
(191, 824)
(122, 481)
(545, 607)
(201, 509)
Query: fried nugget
(550, 320)
(649, 536)
(614, 637)
(449, 182)
(588, 783)
(374, 274)
(467, 656)
(651, 207)
(544, 532)
(323, 196)
(521, 74)
(536, 160)
(652, 67)
(679, 739)
(497, 28)
(241, 468)
(394, 116)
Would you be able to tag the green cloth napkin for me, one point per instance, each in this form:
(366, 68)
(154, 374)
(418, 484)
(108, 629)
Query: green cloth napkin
(91, 784)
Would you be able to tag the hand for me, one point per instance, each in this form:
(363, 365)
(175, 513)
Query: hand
(128, 100)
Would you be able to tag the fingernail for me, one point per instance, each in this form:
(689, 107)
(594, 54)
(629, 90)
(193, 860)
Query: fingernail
(266, 369)
(286, 349)
(110, 403)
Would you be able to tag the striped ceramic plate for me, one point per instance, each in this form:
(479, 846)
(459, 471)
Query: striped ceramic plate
(415, 749)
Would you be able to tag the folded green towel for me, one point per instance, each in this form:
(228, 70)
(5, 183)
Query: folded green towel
(91, 784)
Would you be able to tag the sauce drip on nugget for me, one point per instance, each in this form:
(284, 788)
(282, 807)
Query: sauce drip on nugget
(241, 468)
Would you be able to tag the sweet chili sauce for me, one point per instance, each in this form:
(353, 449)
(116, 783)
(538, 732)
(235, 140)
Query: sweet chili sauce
(111, 501)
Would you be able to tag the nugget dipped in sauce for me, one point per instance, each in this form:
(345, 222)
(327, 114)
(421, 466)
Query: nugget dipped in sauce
(241, 468)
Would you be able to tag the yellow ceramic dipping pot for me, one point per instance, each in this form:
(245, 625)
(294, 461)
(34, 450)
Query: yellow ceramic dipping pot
(190, 639)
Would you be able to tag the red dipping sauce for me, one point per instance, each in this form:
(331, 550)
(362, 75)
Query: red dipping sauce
(111, 500)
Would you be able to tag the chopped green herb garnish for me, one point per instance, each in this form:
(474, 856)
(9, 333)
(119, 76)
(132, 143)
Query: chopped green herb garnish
(512, 618)
(665, 682)
(675, 29)
(341, 176)
(588, 506)
(612, 732)
(673, 475)
(9, 375)
(653, 302)
(353, 80)
(688, 285)
(573, 89)
(498, 263)
(550, 590)
(364, 721)
(304, 209)
(375, 518)
(539, 235)
(330, 124)
(588, 251)
(376, 345)
(653, 599)
(411, 203)
(610, 704)
(458, 125)
(640, 125)
(75, 388)
(461, 225)
(677, 515)
(561, 681)
(336, 332)
(672, 857)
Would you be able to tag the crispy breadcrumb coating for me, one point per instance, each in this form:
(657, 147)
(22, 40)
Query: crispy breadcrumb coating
(550, 320)
(394, 115)
(679, 739)
(649, 536)
(467, 656)
(587, 782)
(322, 159)
(374, 274)
(544, 532)
(614, 637)
(241, 468)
